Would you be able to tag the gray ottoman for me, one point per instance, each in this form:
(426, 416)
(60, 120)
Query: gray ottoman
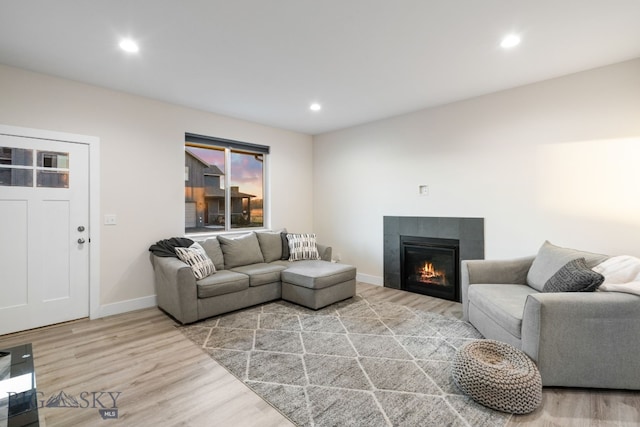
(316, 284)
(498, 375)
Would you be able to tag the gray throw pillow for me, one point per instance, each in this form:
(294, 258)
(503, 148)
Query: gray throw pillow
(239, 251)
(212, 248)
(551, 258)
(285, 246)
(574, 276)
(270, 245)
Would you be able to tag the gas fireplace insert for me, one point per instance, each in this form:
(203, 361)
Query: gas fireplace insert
(430, 266)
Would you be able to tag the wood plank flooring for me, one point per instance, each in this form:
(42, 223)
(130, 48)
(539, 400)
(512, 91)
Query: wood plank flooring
(166, 380)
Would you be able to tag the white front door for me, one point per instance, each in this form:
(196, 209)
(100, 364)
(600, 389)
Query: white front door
(44, 232)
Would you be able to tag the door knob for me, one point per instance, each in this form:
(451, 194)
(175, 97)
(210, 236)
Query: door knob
(81, 228)
(81, 240)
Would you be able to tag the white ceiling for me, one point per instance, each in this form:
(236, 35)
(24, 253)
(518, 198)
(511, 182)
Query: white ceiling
(363, 60)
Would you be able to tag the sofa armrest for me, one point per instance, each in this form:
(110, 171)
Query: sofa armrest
(324, 251)
(508, 272)
(571, 333)
(176, 290)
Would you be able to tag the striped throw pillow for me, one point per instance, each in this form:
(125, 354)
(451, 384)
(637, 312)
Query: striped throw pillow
(302, 246)
(196, 257)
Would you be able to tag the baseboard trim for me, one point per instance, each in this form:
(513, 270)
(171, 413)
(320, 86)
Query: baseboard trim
(126, 306)
(367, 278)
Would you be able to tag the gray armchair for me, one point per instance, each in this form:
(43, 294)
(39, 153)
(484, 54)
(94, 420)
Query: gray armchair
(577, 339)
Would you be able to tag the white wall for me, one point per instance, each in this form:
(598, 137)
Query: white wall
(142, 166)
(556, 160)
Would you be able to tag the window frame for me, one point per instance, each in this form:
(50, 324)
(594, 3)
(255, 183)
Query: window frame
(228, 145)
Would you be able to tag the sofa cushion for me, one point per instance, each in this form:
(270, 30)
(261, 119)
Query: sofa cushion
(551, 258)
(239, 251)
(574, 276)
(302, 246)
(270, 245)
(318, 274)
(261, 274)
(285, 264)
(223, 282)
(196, 258)
(504, 304)
(212, 248)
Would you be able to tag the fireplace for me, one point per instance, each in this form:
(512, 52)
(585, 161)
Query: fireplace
(430, 266)
(467, 233)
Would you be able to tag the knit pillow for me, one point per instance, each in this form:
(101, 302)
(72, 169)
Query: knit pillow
(574, 276)
(302, 246)
(197, 259)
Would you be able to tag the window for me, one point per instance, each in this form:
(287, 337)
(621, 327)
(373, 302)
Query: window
(224, 185)
(17, 170)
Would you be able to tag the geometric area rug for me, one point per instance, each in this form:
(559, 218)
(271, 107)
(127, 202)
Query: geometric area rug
(353, 363)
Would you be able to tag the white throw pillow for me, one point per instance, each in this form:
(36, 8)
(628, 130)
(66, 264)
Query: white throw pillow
(196, 257)
(302, 246)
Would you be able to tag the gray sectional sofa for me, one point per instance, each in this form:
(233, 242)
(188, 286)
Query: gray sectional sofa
(250, 270)
(577, 339)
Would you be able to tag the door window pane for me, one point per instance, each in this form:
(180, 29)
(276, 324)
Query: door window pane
(50, 159)
(53, 179)
(16, 156)
(11, 177)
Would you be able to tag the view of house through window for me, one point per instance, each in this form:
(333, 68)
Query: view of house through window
(224, 185)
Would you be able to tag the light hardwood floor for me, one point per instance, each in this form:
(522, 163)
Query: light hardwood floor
(166, 380)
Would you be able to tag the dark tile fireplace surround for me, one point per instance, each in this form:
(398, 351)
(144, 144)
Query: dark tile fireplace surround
(423, 254)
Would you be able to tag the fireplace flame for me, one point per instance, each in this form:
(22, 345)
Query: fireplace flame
(429, 274)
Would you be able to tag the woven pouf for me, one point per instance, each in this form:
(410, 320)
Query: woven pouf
(498, 375)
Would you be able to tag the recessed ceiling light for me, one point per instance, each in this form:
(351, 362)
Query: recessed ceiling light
(129, 45)
(510, 41)
(315, 107)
